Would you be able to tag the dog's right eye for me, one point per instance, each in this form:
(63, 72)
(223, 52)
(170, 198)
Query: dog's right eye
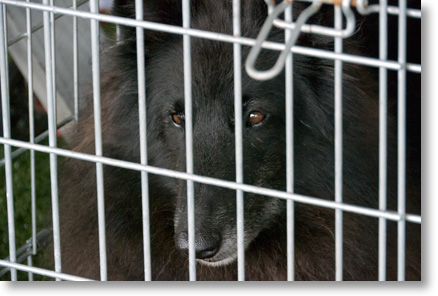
(256, 118)
(178, 119)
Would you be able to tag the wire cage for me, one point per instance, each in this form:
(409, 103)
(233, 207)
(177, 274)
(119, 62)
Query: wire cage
(62, 106)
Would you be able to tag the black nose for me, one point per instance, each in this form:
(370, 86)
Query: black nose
(206, 244)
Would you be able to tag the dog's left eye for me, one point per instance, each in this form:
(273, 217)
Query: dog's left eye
(178, 119)
(256, 117)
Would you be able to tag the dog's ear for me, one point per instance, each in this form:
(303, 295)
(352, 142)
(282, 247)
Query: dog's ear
(159, 11)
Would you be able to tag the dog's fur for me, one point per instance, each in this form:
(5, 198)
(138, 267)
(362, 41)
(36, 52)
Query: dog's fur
(214, 156)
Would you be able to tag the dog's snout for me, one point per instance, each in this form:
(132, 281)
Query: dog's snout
(206, 244)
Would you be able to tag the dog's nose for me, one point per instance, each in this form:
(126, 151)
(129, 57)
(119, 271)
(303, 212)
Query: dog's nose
(206, 244)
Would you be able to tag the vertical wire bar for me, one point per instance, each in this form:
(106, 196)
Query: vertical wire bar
(402, 141)
(189, 140)
(118, 34)
(338, 149)
(383, 103)
(31, 135)
(143, 140)
(94, 8)
(31, 124)
(52, 139)
(53, 49)
(237, 54)
(290, 206)
(30, 263)
(75, 64)
(4, 77)
(5, 29)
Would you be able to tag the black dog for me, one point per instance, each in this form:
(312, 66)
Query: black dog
(214, 156)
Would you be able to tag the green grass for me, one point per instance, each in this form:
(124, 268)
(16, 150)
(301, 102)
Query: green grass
(22, 204)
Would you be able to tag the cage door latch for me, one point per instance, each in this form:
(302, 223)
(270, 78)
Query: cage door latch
(296, 28)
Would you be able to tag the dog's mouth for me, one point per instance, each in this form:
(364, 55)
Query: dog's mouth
(216, 262)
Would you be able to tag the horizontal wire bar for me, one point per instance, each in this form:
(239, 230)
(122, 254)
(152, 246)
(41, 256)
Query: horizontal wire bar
(413, 13)
(38, 139)
(372, 62)
(42, 271)
(39, 26)
(389, 215)
(20, 259)
(393, 10)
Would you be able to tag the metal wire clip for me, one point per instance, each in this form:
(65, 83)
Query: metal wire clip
(296, 28)
(364, 9)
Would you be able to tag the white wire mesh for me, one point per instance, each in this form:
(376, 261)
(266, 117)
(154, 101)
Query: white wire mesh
(385, 65)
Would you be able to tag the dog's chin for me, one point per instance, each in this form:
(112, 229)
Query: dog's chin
(217, 263)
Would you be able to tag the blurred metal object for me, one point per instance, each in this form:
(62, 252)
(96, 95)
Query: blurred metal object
(42, 239)
(296, 28)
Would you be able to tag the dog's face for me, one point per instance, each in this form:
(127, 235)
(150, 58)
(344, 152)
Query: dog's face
(263, 118)
(214, 154)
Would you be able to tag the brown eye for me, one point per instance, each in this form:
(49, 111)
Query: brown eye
(256, 117)
(178, 119)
